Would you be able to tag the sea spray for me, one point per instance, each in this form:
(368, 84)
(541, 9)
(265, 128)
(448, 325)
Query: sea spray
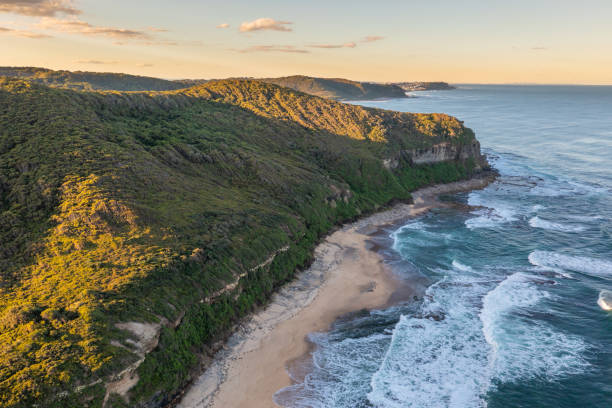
(438, 356)
(605, 300)
(537, 222)
(587, 265)
(523, 347)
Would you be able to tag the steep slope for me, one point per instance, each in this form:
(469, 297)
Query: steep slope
(424, 86)
(337, 88)
(135, 228)
(89, 81)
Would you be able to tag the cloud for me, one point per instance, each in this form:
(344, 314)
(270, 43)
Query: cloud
(48, 8)
(157, 29)
(169, 43)
(274, 48)
(223, 25)
(163, 43)
(144, 65)
(372, 38)
(345, 45)
(265, 24)
(22, 33)
(539, 48)
(76, 26)
(96, 62)
(122, 36)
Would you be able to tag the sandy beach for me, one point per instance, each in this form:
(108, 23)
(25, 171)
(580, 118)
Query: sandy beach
(346, 276)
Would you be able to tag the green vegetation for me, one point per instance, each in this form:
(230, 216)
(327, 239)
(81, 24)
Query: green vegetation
(424, 86)
(338, 88)
(90, 81)
(118, 207)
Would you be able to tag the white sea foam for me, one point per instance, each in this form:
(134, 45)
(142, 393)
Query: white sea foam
(583, 264)
(423, 367)
(558, 188)
(414, 225)
(521, 347)
(537, 222)
(605, 300)
(513, 292)
(585, 218)
(416, 234)
(411, 226)
(461, 267)
(496, 212)
(548, 191)
(439, 359)
(490, 218)
(470, 337)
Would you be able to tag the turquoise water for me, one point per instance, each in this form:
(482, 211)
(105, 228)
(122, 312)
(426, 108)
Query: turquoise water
(508, 312)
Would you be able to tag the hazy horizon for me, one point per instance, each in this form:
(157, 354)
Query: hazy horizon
(324, 77)
(544, 42)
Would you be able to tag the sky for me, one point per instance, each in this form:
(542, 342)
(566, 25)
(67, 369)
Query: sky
(460, 41)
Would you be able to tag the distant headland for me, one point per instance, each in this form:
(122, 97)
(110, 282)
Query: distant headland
(331, 88)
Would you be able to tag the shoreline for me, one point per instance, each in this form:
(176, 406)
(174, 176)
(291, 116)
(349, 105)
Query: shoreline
(347, 275)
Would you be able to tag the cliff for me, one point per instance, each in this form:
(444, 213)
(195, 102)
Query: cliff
(440, 153)
(424, 86)
(337, 88)
(136, 228)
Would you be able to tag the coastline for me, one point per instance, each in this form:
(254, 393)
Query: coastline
(347, 275)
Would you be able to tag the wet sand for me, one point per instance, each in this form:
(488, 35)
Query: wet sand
(346, 276)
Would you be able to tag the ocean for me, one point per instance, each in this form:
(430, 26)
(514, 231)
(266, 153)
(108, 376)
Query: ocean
(510, 310)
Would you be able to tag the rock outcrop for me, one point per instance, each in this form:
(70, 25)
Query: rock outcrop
(441, 152)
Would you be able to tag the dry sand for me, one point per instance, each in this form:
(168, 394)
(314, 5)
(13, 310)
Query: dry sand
(346, 276)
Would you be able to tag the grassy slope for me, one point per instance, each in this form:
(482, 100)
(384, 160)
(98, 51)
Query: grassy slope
(89, 81)
(118, 207)
(337, 88)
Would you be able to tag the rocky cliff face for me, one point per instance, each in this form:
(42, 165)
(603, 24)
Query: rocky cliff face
(441, 152)
(445, 152)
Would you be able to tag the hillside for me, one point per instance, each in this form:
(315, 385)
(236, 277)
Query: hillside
(89, 81)
(136, 228)
(337, 88)
(424, 86)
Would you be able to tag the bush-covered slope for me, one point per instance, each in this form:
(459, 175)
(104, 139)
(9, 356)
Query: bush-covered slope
(424, 86)
(179, 210)
(89, 81)
(337, 88)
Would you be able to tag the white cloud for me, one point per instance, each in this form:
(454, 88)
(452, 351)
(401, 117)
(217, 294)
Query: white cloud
(47, 8)
(265, 24)
(76, 26)
(22, 33)
(274, 48)
(345, 45)
(157, 29)
(223, 25)
(372, 38)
